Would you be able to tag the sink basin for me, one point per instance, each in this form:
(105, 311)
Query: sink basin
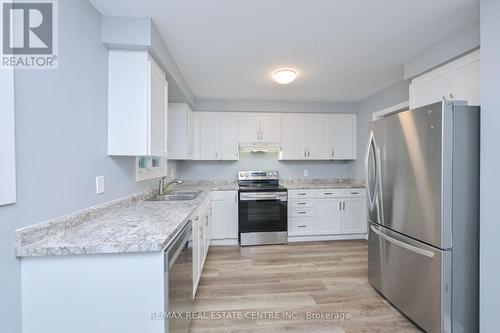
(176, 196)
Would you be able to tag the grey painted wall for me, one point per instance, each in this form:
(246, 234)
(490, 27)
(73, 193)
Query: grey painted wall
(263, 161)
(383, 99)
(490, 159)
(61, 143)
(449, 48)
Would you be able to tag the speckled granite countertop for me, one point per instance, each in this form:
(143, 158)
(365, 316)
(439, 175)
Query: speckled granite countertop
(320, 183)
(125, 225)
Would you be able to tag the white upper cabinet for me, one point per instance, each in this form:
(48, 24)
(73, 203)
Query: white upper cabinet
(218, 136)
(210, 136)
(194, 137)
(229, 138)
(457, 80)
(179, 123)
(249, 128)
(344, 137)
(270, 129)
(465, 78)
(319, 137)
(294, 138)
(137, 105)
(255, 128)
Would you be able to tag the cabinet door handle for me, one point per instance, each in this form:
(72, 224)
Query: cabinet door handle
(235, 198)
(340, 205)
(343, 205)
(333, 152)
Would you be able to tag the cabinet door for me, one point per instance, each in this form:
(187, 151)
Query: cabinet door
(178, 131)
(196, 255)
(229, 139)
(194, 136)
(354, 217)
(158, 110)
(465, 78)
(209, 136)
(327, 216)
(430, 88)
(231, 203)
(344, 141)
(293, 141)
(249, 128)
(318, 138)
(219, 223)
(270, 128)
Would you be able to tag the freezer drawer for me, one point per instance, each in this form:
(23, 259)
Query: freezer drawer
(414, 277)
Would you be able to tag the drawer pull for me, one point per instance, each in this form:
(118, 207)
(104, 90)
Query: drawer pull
(327, 193)
(301, 226)
(301, 193)
(301, 203)
(354, 192)
(301, 212)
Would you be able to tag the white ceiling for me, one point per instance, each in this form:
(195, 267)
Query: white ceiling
(344, 50)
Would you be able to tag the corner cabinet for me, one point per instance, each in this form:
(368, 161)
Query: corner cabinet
(137, 105)
(180, 142)
(319, 137)
(457, 80)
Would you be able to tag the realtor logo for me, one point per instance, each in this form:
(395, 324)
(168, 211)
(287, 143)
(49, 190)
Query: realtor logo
(29, 34)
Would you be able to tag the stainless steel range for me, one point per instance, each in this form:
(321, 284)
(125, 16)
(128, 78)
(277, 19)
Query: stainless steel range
(262, 208)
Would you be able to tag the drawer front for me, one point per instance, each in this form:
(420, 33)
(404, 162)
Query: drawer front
(301, 212)
(301, 194)
(300, 226)
(300, 203)
(326, 193)
(354, 192)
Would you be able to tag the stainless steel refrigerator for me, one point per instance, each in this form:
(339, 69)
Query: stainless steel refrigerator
(422, 183)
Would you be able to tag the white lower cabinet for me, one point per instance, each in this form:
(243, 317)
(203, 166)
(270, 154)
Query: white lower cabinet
(354, 216)
(225, 216)
(202, 231)
(335, 213)
(328, 216)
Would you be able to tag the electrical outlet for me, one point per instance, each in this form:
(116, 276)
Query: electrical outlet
(306, 172)
(99, 184)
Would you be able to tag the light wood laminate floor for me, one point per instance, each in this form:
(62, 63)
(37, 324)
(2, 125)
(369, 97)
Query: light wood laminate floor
(328, 278)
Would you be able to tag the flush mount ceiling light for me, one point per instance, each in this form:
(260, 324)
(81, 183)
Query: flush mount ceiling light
(284, 75)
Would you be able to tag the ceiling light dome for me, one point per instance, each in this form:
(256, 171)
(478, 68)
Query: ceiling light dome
(284, 75)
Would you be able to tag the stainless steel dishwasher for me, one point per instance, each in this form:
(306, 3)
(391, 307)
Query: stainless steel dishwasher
(179, 277)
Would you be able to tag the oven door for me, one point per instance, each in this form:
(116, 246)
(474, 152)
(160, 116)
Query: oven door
(262, 212)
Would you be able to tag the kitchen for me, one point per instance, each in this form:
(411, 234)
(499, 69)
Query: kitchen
(175, 165)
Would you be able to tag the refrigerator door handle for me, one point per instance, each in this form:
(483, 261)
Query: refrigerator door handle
(371, 145)
(404, 245)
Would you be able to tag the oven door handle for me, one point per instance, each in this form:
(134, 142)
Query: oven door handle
(261, 196)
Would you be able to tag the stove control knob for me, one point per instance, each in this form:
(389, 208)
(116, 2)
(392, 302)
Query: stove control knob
(242, 174)
(246, 174)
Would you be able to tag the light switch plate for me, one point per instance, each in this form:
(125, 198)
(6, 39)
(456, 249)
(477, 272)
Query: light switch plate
(306, 172)
(99, 184)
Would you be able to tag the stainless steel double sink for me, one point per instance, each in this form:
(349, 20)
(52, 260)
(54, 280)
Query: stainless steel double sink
(176, 196)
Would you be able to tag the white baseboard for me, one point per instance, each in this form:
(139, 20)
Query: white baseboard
(316, 238)
(225, 241)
